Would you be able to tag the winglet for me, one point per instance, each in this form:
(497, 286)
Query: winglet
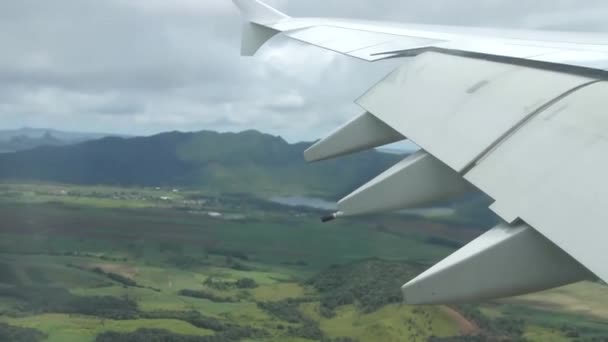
(258, 12)
(258, 30)
(253, 37)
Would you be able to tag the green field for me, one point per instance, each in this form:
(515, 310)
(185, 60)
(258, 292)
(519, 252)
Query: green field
(77, 263)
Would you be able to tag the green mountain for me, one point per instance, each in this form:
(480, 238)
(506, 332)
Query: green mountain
(27, 138)
(229, 162)
(25, 142)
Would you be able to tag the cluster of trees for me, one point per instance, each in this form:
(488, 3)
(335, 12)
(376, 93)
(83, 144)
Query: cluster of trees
(224, 331)
(229, 253)
(309, 330)
(494, 329)
(202, 294)
(287, 310)
(17, 334)
(57, 300)
(371, 284)
(243, 283)
(115, 277)
(246, 283)
(89, 255)
(128, 282)
(237, 266)
(157, 335)
(218, 284)
(42, 300)
(581, 333)
(477, 338)
(193, 317)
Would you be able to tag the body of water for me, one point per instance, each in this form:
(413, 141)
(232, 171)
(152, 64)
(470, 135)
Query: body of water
(303, 201)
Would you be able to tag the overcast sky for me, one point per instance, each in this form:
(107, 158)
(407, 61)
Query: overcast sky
(146, 66)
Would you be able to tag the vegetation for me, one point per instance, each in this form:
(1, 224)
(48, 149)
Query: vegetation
(371, 284)
(246, 283)
(105, 265)
(193, 317)
(116, 277)
(58, 300)
(245, 162)
(18, 334)
(156, 335)
(309, 330)
(286, 310)
(186, 262)
(206, 295)
(498, 328)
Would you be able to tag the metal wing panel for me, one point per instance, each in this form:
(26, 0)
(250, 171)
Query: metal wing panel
(340, 39)
(495, 47)
(358, 43)
(457, 108)
(552, 174)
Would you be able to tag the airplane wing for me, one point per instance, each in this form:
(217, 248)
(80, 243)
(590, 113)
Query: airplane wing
(517, 115)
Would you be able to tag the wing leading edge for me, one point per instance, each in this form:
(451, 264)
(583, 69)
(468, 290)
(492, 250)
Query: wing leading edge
(519, 119)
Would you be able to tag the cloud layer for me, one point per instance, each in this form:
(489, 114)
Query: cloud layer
(145, 66)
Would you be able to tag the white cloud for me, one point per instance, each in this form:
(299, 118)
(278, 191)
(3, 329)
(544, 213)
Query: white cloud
(145, 66)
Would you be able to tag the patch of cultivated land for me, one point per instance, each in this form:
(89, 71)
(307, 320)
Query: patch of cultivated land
(77, 268)
(585, 299)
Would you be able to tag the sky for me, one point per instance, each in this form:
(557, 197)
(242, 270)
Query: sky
(146, 66)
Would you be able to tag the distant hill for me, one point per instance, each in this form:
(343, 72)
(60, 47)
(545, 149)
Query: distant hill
(28, 138)
(249, 161)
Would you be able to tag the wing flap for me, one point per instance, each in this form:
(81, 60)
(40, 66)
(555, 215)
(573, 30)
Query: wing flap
(458, 108)
(551, 173)
(361, 133)
(415, 181)
(505, 261)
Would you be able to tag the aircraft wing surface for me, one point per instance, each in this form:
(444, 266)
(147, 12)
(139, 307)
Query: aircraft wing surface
(517, 115)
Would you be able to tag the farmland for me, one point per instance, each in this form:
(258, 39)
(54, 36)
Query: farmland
(97, 263)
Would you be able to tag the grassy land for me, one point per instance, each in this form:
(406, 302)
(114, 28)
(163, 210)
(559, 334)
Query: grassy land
(99, 243)
(68, 328)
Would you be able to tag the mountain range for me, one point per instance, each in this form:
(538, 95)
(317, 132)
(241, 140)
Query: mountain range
(27, 138)
(249, 161)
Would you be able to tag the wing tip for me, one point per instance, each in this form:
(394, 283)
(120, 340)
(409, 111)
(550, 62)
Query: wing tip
(259, 12)
(253, 37)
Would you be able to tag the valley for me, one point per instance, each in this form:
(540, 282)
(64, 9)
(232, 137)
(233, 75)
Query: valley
(104, 263)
